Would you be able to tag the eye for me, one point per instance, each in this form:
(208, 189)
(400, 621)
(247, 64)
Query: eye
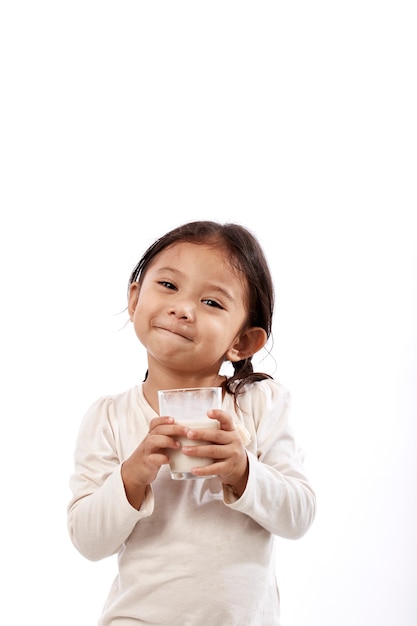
(167, 284)
(212, 303)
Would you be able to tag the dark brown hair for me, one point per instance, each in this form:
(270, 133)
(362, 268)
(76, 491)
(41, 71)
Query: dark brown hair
(247, 257)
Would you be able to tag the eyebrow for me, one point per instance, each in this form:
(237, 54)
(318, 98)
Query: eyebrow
(211, 286)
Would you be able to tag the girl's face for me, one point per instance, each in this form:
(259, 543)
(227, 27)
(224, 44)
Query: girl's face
(189, 311)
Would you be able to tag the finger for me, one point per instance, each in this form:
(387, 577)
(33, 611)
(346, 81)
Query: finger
(215, 469)
(225, 419)
(158, 459)
(211, 451)
(214, 435)
(160, 421)
(166, 426)
(156, 442)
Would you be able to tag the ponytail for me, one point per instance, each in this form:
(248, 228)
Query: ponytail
(243, 375)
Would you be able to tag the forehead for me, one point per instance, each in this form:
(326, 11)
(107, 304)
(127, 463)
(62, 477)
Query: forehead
(212, 262)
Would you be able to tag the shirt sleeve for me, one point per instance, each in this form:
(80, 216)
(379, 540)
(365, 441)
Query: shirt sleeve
(100, 518)
(278, 495)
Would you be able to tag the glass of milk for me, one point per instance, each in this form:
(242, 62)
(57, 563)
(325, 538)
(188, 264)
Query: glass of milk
(189, 408)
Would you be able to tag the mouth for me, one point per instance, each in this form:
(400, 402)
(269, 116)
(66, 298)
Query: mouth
(174, 332)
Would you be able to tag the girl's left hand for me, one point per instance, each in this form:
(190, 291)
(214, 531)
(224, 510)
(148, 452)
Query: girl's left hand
(225, 447)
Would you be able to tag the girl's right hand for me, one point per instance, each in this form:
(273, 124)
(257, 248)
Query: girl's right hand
(143, 465)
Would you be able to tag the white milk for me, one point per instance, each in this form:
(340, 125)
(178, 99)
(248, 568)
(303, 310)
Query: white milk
(181, 464)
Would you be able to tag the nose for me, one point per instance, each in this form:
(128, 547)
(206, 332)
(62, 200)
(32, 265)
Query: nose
(183, 309)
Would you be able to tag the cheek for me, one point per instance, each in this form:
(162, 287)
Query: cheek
(224, 333)
(141, 329)
(145, 305)
(141, 317)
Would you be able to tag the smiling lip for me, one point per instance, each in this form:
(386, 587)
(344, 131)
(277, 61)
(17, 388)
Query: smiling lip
(173, 332)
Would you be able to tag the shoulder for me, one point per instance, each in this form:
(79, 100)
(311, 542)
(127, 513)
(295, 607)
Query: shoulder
(264, 398)
(117, 422)
(123, 399)
(267, 391)
(108, 407)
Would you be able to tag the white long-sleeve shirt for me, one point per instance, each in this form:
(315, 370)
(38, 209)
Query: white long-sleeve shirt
(193, 554)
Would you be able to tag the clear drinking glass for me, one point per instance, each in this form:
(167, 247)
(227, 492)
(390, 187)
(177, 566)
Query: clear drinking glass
(189, 408)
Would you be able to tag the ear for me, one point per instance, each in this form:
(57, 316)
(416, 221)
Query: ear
(133, 299)
(247, 344)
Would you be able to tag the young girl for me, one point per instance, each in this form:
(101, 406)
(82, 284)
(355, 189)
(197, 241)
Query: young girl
(193, 552)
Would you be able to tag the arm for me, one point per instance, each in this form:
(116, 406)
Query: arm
(266, 481)
(112, 488)
(278, 495)
(100, 517)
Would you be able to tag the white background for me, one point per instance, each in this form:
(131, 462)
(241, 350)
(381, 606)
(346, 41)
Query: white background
(120, 120)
